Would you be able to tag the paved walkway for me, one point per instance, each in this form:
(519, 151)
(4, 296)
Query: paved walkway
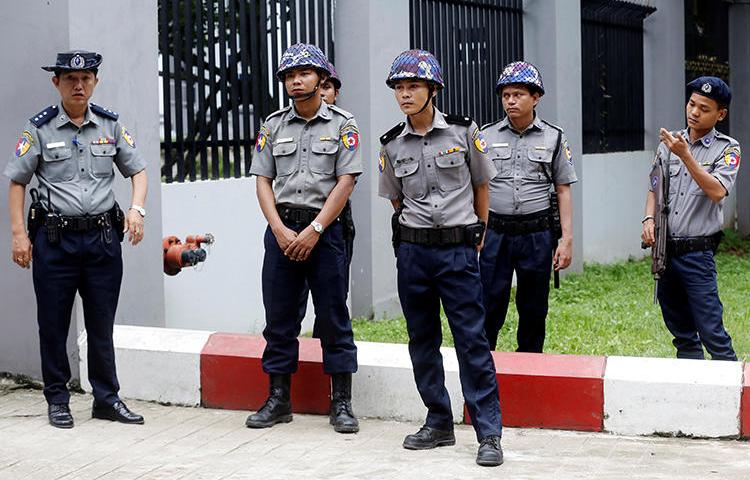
(196, 443)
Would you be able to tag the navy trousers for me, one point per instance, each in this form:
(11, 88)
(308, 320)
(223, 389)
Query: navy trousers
(85, 263)
(326, 273)
(530, 256)
(428, 275)
(689, 300)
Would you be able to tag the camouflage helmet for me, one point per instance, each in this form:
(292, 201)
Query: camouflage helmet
(416, 65)
(334, 77)
(302, 55)
(522, 73)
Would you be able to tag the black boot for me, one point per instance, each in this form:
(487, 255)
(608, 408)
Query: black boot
(341, 415)
(278, 408)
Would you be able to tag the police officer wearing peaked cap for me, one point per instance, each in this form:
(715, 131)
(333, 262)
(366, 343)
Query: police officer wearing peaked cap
(434, 170)
(531, 156)
(702, 165)
(306, 160)
(75, 229)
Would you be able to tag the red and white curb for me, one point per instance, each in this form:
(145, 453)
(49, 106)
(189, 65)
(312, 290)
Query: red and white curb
(624, 395)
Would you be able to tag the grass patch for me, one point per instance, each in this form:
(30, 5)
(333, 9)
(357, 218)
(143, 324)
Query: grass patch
(609, 310)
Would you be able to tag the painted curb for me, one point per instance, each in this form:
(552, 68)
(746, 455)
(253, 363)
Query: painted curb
(745, 408)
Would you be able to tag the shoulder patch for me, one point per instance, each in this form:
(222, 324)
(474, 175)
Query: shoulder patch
(44, 116)
(458, 120)
(278, 112)
(341, 111)
(732, 156)
(486, 125)
(392, 133)
(103, 112)
(552, 125)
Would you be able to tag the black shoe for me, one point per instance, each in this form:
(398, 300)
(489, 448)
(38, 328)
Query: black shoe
(278, 407)
(341, 415)
(59, 415)
(428, 437)
(490, 452)
(118, 412)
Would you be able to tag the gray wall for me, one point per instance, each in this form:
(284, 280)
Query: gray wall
(125, 33)
(739, 54)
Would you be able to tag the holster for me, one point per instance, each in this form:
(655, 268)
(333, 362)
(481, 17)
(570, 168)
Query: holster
(118, 221)
(395, 231)
(474, 233)
(35, 217)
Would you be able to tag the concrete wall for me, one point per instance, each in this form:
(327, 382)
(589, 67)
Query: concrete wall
(739, 46)
(128, 74)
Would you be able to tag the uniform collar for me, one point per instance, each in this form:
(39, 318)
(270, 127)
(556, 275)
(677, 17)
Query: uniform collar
(63, 119)
(536, 124)
(324, 112)
(438, 121)
(706, 139)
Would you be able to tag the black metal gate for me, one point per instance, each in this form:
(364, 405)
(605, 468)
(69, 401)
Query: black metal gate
(473, 40)
(217, 62)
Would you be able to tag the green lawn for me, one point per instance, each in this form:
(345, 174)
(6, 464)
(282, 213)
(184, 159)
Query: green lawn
(609, 310)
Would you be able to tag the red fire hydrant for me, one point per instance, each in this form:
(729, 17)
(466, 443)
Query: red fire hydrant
(178, 255)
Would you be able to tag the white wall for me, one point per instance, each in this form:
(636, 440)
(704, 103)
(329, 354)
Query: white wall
(224, 292)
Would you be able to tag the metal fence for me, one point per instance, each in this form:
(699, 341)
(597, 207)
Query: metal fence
(612, 75)
(473, 40)
(217, 65)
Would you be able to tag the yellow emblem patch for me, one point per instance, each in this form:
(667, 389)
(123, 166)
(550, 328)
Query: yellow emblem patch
(128, 138)
(381, 160)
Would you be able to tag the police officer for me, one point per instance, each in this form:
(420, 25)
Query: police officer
(75, 229)
(531, 155)
(306, 160)
(434, 170)
(702, 167)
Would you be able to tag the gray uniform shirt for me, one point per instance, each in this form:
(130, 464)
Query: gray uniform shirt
(434, 174)
(304, 158)
(691, 212)
(521, 158)
(75, 163)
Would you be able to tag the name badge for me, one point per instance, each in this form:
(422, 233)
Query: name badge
(540, 148)
(284, 140)
(325, 139)
(504, 144)
(55, 145)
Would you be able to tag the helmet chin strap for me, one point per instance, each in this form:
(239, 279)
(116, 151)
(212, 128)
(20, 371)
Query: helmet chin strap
(429, 100)
(305, 96)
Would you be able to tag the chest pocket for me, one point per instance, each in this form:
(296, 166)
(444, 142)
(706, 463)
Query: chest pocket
(503, 162)
(101, 160)
(412, 182)
(58, 165)
(538, 161)
(323, 158)
(285, 159)
(452, 171)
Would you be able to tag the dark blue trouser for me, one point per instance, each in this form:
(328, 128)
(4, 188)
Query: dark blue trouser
(86, 263)
(689, 300)
(325, 271)
(530, 255)
(428, 275)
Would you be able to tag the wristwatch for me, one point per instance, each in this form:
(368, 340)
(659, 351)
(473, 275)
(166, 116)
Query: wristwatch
(647, 217)
(317, 227)
(138, 209)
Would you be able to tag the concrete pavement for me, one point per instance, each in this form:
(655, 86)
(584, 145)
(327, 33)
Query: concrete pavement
(197, 443)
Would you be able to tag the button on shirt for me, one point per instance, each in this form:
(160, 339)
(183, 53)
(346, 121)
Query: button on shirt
(521, 186)
(304, 158)
(434, 174)
(691, 212)
(75, 163)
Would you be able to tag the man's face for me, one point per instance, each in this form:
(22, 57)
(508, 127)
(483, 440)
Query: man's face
(412, 95)
(75, 87)
(300, 81)
(328, 92)
(518, 101)
(703, 113)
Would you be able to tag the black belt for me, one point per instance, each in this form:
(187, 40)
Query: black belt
(520, 224)
(433, 236)
(297, 215)
(681, 246)
(83, 223)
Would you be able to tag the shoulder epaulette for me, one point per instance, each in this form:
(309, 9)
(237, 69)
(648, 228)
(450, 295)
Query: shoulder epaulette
(729, 139)
(392, 133)
(553, 126)
(103, 112)
(458, 120)
(341, 111)
(44, 116)
(490, 124)
(278, 112)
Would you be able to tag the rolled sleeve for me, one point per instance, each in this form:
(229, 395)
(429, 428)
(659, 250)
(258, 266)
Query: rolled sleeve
(563, 171)
(481, 168)
(129, 160)
(727, 166)
(263, 164)
(389, 186)
(349, 161)
(25, 157)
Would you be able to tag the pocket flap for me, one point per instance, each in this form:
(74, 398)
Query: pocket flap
(502, 151)
(405, 169)
(539, 155)
(328, 147)
(284, 149)
(57, 154)
(451, 160)
(103, 150)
